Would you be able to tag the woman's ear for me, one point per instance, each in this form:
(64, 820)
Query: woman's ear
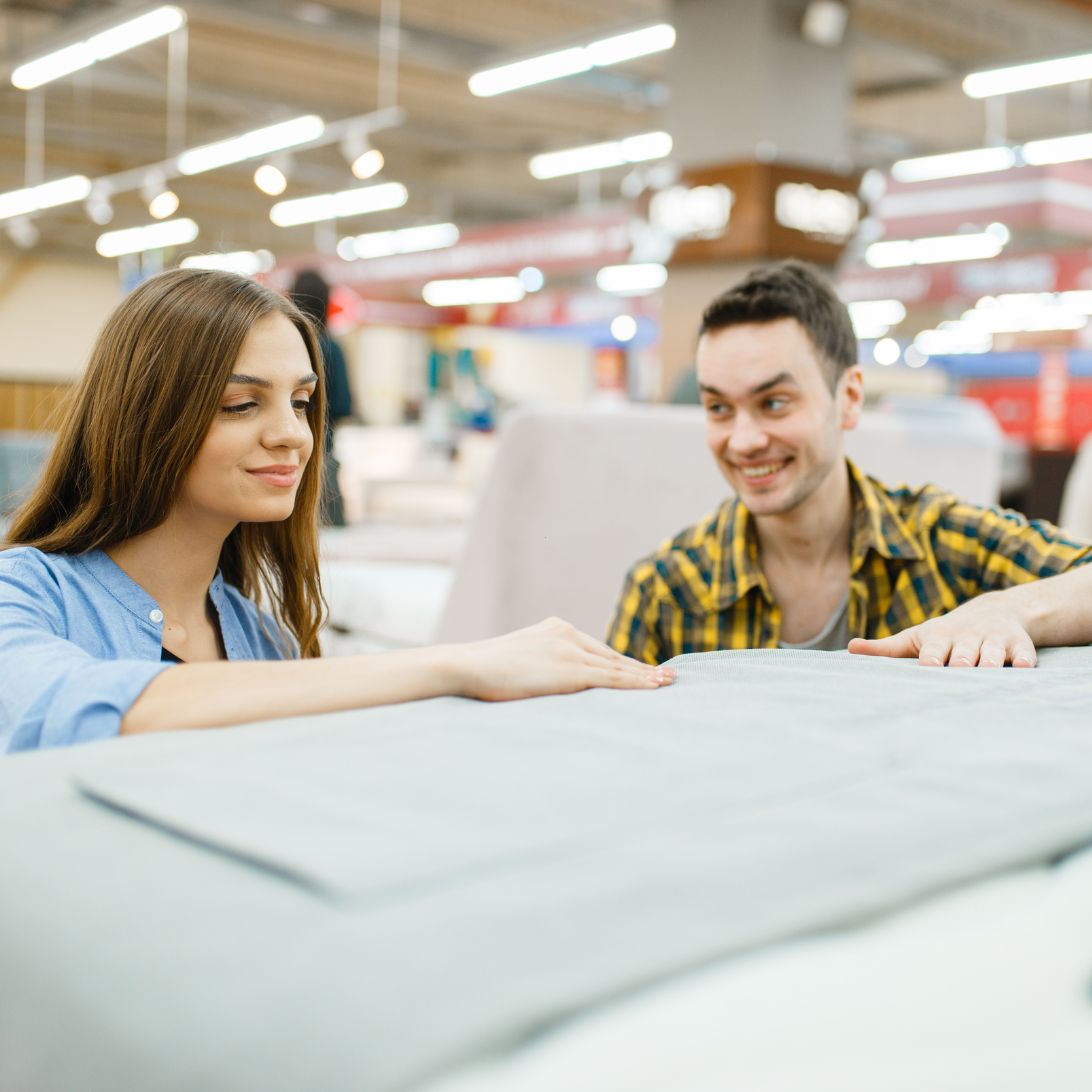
(850, 396)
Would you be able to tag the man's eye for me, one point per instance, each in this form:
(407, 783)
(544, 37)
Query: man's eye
(776, 403)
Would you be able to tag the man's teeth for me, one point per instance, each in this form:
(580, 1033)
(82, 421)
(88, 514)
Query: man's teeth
(760, 471)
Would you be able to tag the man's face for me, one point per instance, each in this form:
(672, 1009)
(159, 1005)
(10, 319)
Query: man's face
(772, 422)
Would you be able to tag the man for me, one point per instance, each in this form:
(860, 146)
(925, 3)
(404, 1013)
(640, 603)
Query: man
(810, 552)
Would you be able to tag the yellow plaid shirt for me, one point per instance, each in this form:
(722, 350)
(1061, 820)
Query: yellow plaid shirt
(914, 554)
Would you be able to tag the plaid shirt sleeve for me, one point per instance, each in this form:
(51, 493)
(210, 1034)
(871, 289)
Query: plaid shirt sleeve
(991, 549)
(634, 630)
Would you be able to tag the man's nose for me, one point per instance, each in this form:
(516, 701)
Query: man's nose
(747, 435)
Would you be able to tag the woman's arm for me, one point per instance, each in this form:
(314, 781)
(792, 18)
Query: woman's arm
(999, 627)
(550, 658)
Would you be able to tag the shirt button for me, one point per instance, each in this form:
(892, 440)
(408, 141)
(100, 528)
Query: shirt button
(155, 615)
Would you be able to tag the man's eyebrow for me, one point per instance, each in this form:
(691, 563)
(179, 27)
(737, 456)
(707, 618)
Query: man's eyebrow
(256, 381)
(765, 385)
(777, 381)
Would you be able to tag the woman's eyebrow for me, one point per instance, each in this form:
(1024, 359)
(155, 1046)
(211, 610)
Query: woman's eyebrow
(256, 381)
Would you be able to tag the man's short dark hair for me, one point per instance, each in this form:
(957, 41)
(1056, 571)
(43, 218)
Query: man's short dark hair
(796, 290)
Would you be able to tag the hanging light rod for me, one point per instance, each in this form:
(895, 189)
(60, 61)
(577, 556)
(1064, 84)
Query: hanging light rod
(1026, 77)
(570, 62)
(595, 157)
(258, 142)
(333, 206)
(48, 195)
(107, 43)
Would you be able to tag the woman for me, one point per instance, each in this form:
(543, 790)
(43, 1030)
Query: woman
(183, 490)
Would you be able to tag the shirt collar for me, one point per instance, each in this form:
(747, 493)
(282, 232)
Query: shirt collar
(876, 525)
(129, 593)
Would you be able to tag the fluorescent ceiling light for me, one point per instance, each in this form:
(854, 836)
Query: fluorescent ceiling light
(1024, 77)
(144, 28)
(1064, 149)
(150, 237)
(635, 43)
(273, 138)
(938, 248)
(382, 244)
(62, 191)
(570, 62)
(594, 157)
(953, 338)
(330, 206)
(463, 293)
(631, 280)
(886, 312)
(1023, 312)
(510, 77)
(953, 164)
(246, 262)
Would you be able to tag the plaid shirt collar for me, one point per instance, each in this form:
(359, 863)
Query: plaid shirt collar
(876, 526)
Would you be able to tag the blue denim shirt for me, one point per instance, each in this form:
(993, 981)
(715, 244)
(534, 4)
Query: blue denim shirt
(79, 642)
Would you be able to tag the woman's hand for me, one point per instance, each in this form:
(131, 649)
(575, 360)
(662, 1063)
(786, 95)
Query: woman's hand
(985, 632)
(553, 657)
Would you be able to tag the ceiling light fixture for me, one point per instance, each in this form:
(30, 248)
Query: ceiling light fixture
(368, 164)
(382, 244)
(1026, 77)
(331, 206)
(631, 280)
(824, 22)
(953, 164)
(1066, 149)
(270, 179)
(891, 253)
(570, 62)
(133, 32)
(98, 207)
(112, 244)
(623, 327)
(595, 157)
(246, 262)
(465, 293)
(47, 195)
(258, 142)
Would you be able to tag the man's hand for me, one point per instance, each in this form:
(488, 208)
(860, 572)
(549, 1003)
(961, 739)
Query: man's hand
(982, 633)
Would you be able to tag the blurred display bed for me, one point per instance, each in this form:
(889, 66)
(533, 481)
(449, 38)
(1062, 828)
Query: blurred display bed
(788, 871)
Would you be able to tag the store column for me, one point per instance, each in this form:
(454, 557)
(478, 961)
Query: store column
(755, 105)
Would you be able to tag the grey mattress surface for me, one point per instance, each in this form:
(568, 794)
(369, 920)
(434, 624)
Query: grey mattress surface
(362, 900)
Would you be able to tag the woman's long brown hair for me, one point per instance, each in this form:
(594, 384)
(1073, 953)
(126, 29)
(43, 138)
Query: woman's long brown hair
(133, 426)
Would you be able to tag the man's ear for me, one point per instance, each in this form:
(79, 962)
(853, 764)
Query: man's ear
(849, 395)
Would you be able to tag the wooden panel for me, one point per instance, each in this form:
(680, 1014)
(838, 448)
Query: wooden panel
(30, 406)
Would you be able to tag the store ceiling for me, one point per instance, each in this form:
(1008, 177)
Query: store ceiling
(253, 62)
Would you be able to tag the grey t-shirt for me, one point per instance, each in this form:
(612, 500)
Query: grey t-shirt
(833, 637)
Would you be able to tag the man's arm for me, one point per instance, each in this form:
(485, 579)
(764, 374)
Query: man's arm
(999, 627)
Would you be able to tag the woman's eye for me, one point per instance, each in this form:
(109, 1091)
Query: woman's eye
(238, 407)
(301, 405)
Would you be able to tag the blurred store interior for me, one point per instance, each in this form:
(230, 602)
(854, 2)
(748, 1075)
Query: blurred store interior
(522, 208)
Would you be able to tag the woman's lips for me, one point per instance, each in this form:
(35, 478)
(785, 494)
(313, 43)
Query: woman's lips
(283, 477)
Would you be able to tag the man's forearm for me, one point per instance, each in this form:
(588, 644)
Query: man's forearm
(1055, 611)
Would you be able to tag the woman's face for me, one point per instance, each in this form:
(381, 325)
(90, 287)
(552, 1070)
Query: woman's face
(250, 464)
